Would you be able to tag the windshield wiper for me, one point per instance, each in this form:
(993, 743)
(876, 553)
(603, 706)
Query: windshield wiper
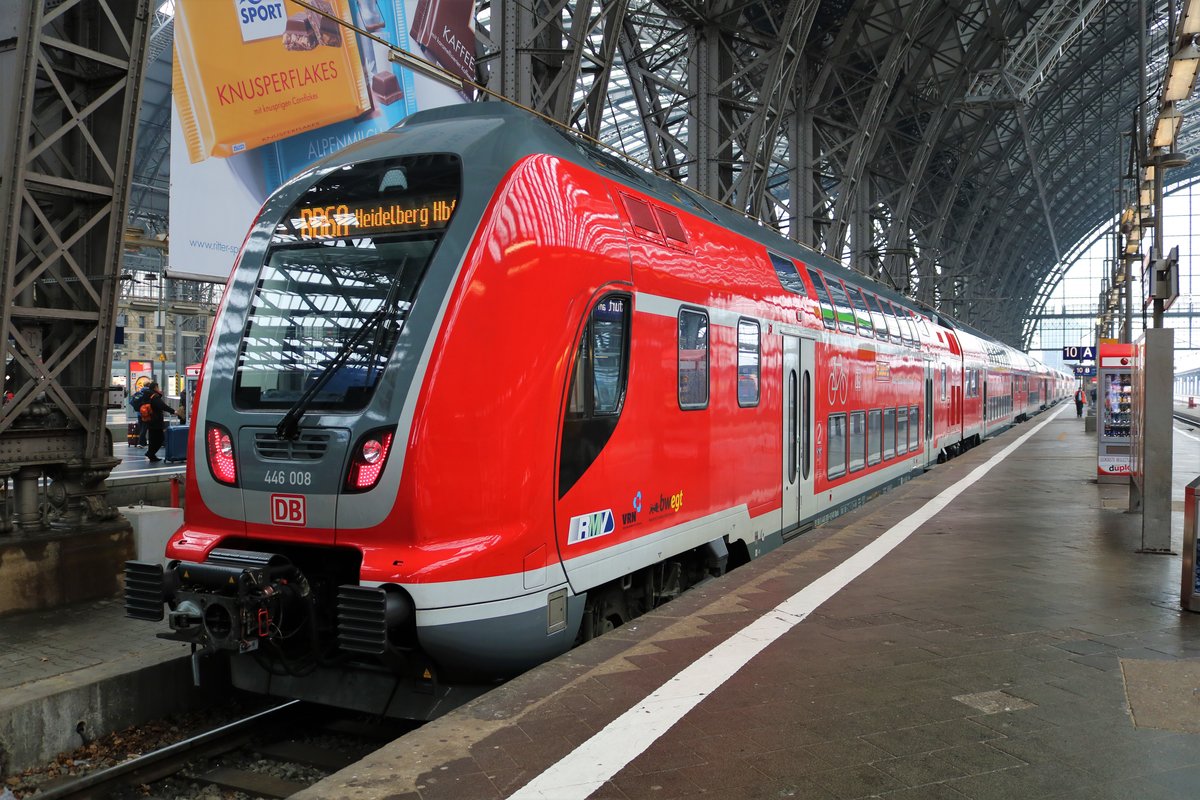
(289, 426)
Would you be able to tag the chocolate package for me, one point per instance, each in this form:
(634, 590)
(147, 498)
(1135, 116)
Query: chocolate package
(445, 30)
(250, 72)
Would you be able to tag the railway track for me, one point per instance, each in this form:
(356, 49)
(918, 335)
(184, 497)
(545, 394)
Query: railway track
(226, 757)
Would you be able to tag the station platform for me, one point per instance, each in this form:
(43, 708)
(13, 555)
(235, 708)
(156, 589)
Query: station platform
(1014, 644)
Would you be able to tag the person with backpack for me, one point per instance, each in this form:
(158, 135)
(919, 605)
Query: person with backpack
(152, 412)
(135, 402)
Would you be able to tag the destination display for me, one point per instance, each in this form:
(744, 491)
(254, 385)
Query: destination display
(344, 220)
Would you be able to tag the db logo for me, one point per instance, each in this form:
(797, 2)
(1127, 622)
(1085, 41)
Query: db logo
(288, 509)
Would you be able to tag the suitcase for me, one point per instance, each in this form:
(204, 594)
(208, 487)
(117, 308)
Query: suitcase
(176, 442)
(131, 434)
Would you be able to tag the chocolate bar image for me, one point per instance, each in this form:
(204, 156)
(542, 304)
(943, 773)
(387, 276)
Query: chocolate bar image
(299, 33)
(328, 30)
(386, 87)
(445, 31)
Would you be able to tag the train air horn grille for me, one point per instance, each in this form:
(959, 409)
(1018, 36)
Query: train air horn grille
(143, 590)
(362, 623)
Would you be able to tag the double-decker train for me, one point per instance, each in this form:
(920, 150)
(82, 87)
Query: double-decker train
(479, 390)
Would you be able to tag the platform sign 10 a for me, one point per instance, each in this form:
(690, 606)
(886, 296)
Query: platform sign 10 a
(1079, 353)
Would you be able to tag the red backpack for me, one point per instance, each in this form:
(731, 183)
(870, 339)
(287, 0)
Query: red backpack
(146, 411)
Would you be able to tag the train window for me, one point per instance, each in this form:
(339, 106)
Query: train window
(914, 328)
(597, 385)
(874, 436)
(889, 316)
(945, 381)
(805, 416)
(906, 334)
(608, 355)
(747, 362)
(789, 277)
(693, 359)
(335, 290)
(836, 464)
(841, 303)
(901, 431)
(914, 428)
(828, 315)
(881, 331)
(861, 312)
(597, 389)
(889, 433)
(858, 440)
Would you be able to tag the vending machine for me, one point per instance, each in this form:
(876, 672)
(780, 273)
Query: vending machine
(1114, 411)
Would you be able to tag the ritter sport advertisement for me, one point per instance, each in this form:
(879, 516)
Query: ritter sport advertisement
(264, 88)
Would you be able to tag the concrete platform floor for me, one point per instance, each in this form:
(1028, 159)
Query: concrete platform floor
(1015, 646)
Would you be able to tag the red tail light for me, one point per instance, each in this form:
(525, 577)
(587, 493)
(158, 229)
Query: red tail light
(368, 460)
(218, 444)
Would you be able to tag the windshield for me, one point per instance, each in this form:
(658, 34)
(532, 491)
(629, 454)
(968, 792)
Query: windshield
(343, 272)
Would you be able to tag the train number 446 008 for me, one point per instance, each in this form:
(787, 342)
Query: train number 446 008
(280, 477)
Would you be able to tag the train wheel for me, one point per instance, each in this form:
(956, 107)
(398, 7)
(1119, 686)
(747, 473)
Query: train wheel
(604, 611)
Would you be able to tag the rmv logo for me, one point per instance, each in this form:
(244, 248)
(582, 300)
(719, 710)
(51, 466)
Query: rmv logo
(288, 509)
(589, 526)
(260, 19)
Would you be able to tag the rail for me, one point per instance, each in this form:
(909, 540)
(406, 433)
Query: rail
(167, 760)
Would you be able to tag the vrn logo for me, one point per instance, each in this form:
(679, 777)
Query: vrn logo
(260, 19)
(589, 526)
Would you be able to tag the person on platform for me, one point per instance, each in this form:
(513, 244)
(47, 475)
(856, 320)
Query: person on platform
(155, 425)
(1080, 400)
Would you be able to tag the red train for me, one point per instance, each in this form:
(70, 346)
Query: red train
(479, 391)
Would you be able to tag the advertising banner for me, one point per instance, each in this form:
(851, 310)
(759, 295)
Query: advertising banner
(264, 88)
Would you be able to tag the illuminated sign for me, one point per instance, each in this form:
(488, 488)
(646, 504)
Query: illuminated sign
(1077, 353)
(367, 219)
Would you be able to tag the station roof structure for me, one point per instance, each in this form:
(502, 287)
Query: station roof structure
(954, 150)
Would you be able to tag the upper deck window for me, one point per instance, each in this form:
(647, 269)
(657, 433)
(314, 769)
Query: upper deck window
(844, 315)
(789, 276)
(861, 313)
(881, 331)
(341, 275)
(828, 315)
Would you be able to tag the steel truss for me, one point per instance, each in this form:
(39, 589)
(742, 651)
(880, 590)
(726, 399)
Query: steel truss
(949, 149)
(68, 114)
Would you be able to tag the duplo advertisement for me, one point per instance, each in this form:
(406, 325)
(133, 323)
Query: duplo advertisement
(264, 88)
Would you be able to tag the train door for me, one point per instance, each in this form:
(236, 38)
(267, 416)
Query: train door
(797, 431)
(987, 411)
(930, 455)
